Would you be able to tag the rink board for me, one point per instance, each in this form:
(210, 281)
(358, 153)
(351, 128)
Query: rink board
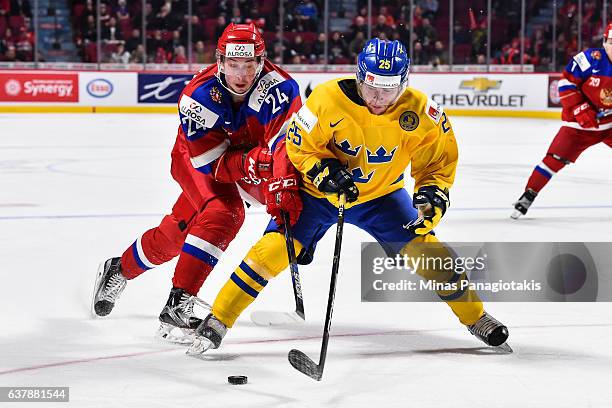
(464, 94)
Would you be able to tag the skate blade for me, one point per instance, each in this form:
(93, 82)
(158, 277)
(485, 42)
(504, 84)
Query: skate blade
(96, 288)
(516, 214)
(505, 348)
(168, 333)
(199, 346)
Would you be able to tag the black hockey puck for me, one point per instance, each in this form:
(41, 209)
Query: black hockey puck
(237, 379)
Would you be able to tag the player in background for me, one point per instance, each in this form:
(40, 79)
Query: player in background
(357, 136)
(586, 97)
(230, 146)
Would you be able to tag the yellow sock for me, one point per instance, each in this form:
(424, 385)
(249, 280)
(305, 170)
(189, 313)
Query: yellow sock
(266, 259)
(465, 303)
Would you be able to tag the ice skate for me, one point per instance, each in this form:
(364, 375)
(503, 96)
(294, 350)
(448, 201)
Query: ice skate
(491, 332)
(110, 282)
(207, 336)
(523, 203)
(177, 319)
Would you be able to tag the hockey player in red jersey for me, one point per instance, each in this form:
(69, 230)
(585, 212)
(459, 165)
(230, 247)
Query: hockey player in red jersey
(230, 147)
(586, 97)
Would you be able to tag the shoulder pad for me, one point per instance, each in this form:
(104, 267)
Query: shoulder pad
(305, 118)
(262, 87)
(196, 112)
(583, 61)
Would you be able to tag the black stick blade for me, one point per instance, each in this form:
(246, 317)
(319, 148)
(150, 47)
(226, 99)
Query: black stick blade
(304, 364)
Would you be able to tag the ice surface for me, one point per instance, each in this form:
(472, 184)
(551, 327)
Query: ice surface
(77, 189)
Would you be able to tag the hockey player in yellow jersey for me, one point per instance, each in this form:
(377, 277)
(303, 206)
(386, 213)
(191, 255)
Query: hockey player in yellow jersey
(357, 136)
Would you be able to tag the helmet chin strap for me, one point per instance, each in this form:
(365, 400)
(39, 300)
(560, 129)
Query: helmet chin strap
(221, 77)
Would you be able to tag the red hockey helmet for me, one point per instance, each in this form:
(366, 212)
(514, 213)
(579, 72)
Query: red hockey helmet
(241, 40)
(607, 36)
(608, 32)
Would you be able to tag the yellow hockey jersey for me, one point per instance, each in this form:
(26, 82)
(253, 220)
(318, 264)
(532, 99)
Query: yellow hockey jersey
(335, 123)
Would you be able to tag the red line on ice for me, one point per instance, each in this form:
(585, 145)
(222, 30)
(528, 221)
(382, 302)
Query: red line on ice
(144, 353)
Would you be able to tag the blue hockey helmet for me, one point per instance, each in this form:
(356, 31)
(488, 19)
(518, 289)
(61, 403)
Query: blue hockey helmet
(383, 64)
(382, 74)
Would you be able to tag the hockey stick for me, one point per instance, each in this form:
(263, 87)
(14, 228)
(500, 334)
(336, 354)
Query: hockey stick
(295, 275)
(273, 318)
(297, 358)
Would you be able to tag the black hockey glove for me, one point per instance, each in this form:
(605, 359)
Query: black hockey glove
(432, 202)
(330, 177)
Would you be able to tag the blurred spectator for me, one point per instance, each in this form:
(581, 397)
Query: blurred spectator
(201, 56)
(5, 7)
(160, 56)
(24, 46)
(111, 33)
(120, 55)
(511, 53)
(21, 8)
(356, 45)
(104, 14)
(307, 15)
(132, 42)
(11, 54)
(337, 49)
(459, 34)
(179, 55)
(6, 40)
(278, 50)
(138, 55)
(221, 24)
(155, 44)
(429, 7)
(426, 33)
(165, 20)
(123, 13)
(439, 55)
(389, 20)
(298, 48)
(481, 59)
(174, 42)
(89, 9)
(381, 27)
(419, 55)
(89, 32)
(197, 31)
(149, 17)
(359, 26)
(224, 6)
(237, 17)
(318, 49)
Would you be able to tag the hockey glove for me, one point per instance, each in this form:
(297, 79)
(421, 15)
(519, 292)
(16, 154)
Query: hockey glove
(432, 202)
(586, 116)
(283, 194)
(330, 177)
(258, 163)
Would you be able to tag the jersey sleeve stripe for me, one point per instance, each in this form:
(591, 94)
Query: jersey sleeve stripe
(209, 156)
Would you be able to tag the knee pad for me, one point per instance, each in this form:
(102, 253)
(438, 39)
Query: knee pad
(268, 256)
